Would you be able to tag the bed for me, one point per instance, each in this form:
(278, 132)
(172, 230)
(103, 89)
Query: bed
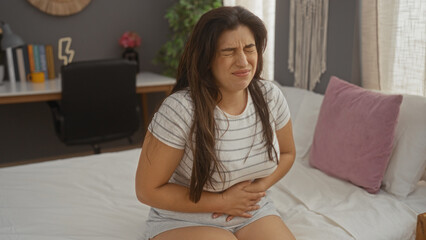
(93, 197)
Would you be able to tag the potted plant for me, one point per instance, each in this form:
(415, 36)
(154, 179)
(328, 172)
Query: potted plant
(182, 17)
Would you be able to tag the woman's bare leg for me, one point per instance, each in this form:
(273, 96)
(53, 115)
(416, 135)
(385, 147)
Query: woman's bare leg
(266, 228)
(196, 233)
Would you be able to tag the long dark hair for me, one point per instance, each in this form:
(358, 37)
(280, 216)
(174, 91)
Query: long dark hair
(195, 72)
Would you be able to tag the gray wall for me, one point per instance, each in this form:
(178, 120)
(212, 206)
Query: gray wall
(96, 30)
(340, 43)
(26, 130)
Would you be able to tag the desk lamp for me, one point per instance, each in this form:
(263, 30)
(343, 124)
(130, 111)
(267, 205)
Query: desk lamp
(9, 41)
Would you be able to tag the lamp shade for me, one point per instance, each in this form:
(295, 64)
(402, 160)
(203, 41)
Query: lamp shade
(9, 38)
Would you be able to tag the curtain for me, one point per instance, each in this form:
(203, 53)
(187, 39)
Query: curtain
(265, 10)
(393, 45)
(307, 41)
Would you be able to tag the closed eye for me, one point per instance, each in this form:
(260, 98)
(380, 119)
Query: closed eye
(227, 51)
(250, 48)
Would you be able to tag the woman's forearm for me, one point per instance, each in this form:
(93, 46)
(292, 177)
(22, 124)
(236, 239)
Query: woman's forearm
(286, 161)
(175, 197)
(234, 201)
(287, 156)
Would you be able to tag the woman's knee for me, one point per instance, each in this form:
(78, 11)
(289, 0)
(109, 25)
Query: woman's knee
(273, 228)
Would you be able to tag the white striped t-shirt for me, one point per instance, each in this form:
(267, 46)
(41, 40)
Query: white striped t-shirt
(239, 139)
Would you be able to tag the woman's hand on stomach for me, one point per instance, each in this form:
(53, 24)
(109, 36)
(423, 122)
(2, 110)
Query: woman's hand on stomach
(241, 199)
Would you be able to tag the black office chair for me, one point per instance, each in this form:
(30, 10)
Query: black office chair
(99, 102)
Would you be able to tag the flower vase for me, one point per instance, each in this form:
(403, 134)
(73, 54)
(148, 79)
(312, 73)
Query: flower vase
(132, 55)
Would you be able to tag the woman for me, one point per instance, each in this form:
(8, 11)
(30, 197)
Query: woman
(219, 141)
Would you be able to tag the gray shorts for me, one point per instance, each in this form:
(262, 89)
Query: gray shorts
(162, 220)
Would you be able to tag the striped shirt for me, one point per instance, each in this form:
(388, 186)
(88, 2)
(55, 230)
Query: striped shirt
(239, 138)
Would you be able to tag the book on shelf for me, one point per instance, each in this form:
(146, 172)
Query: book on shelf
(26, 60)
(42, 56)
(10, 65)
(36, 55)
(50, 60)
(15, 64)
(21, 65)
(29, 58)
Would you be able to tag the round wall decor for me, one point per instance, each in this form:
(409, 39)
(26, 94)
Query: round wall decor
(60, 7)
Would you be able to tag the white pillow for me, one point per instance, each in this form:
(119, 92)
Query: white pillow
(304, 125)
(294, 97)
(408, 160)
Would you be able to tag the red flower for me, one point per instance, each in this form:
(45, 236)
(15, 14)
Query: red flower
(130, 40)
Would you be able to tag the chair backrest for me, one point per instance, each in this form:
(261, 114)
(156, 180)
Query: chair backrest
(99, 101)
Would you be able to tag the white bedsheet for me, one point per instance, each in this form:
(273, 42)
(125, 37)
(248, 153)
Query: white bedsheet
(417, 199)
(362, 215)
(81, 198)
(93, 198)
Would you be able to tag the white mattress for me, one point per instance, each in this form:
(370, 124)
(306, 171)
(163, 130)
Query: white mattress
(93, 198)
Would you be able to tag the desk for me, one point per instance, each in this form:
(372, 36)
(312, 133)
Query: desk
(23, 92)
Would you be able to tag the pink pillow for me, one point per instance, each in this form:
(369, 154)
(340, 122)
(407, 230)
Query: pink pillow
(354, 134)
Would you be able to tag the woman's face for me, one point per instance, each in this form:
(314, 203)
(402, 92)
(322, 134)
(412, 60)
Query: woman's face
(235, 61)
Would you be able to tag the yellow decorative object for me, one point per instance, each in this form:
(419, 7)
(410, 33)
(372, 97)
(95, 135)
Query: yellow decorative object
(60, 7)
(36, 77)
(68, 55)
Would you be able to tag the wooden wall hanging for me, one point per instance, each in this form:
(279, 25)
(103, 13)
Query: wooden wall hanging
(60, 7)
